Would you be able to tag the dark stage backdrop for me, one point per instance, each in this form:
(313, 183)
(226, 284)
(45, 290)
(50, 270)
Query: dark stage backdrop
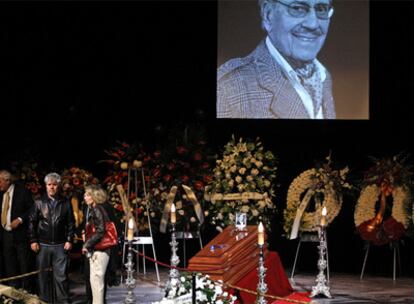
(76, 76)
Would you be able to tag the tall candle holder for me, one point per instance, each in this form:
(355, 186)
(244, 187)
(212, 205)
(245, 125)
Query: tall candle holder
(130, 282)
(261, 285)
(321, 287)
(174, 275)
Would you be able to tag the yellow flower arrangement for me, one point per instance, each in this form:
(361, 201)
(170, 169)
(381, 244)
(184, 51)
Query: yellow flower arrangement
(243, 182)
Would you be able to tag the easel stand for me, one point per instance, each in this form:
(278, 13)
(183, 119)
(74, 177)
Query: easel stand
(140, 240)
(310, 237)
(188, 235)
(396, 256)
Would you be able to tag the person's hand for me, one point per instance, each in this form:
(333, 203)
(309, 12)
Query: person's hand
(67, 246)
(15, 223)
(35, 247)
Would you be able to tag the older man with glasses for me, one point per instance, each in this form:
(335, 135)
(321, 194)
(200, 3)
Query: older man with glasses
(281, 78)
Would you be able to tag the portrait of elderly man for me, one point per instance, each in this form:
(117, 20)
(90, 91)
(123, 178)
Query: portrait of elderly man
(282, 77)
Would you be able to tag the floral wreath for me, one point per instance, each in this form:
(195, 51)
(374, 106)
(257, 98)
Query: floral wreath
(322, 184)
(385, 182)
(243, 182)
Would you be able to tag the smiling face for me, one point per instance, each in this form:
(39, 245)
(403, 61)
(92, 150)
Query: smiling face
(298, 38)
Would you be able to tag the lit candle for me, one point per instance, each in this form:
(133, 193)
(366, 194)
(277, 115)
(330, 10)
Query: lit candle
(323, 218)
(173, 216)
(260, 234)
(130, 230)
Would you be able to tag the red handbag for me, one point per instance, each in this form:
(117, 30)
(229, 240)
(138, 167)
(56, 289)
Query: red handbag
(109, 239)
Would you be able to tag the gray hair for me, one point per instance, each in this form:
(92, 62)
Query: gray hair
(6, 175)
(53, 176)
(99, 195)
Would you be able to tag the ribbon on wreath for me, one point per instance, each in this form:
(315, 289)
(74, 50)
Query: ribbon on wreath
(170, 199)
(237, 196)
(197, 207)
(167, 208)
(299, 213)
(125, 206)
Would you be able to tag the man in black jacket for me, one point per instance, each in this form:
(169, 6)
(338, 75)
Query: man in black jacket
(15, 204)
(51, 230)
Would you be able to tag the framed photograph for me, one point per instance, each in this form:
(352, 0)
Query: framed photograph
(241, 221)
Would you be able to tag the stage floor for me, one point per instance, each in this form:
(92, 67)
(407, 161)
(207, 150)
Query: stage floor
(345, 288)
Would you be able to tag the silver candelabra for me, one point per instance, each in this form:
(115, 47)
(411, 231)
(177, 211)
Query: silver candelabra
(130, 281)
(321, 287)
(261, 285)
(174, 275)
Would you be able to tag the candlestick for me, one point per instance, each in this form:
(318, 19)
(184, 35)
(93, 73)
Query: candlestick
(261, 285)
(174, 276)
(130, 281)
(321, 287)
(323, 218)
(173, 215)
(260, 234)
(130, 236)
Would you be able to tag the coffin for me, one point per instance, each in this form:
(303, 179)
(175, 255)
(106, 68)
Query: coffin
(229, 256)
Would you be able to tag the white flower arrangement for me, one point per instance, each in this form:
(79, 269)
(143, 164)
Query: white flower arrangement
(324, 185)
(207, 291)
(246, 175)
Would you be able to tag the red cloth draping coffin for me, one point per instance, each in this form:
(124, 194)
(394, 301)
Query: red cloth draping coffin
(276, 280)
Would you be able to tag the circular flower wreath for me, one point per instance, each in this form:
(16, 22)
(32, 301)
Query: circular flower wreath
(391, 228)
(325, 186)
(389, 177)
(245, 167)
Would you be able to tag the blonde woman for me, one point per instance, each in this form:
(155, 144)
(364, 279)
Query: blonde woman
(94, 197)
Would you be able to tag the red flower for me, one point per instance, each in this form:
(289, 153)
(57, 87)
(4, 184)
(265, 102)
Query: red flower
(156, 172)
(207, 178)
(389, 230)
(205, 165)
(181, 149)
(119, 207)
(393, 229)
(157, 154)
(198, 185)
(185, 179)
(167, 178)
(197, 156)
(76, 181)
